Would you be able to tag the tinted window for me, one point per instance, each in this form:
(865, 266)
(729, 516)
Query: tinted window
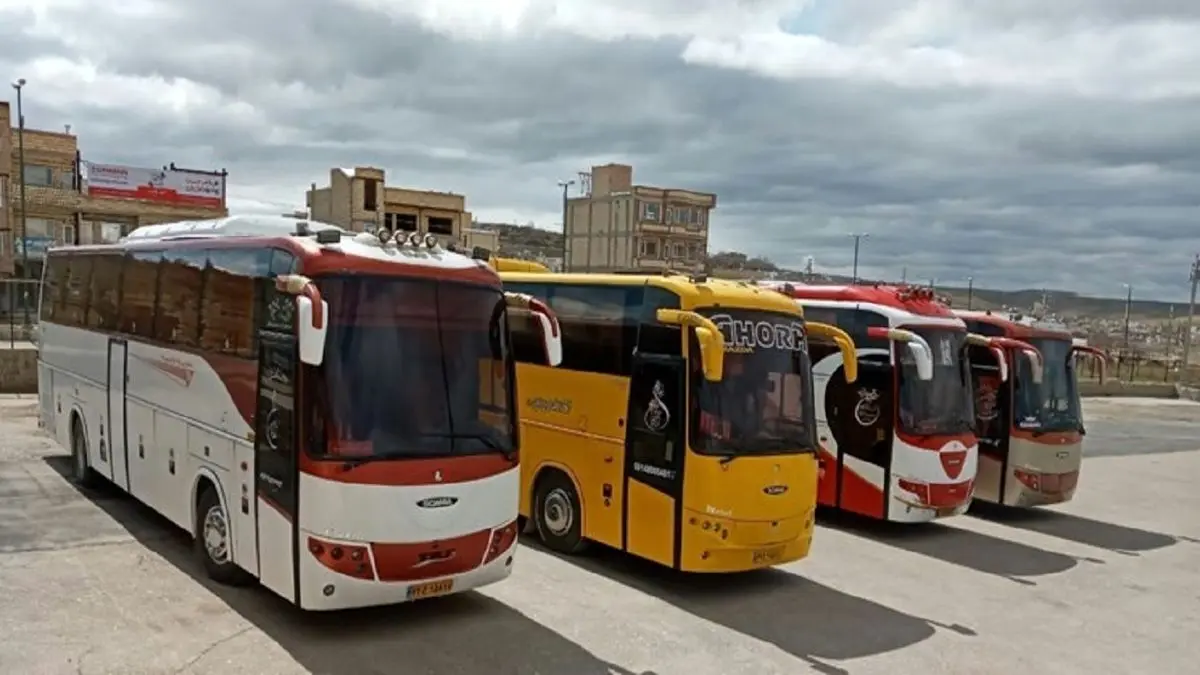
(105, 304)
(179, 297)
(599, 326)
(654, 337)
(78, 293)
(231, 295)
(53, 284)
(139, 292)
(272, 314)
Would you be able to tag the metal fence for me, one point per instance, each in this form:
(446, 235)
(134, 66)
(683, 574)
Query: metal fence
(18, 311)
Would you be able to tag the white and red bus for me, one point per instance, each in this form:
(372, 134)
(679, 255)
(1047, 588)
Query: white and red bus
(1030, 428)
(897, 444)
(331, 414)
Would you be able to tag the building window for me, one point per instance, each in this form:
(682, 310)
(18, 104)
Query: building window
(436, 225)
(651, 212)
(67, 181)
(693, 252)
(648, 248)
(370, 194)
(5, 246)
(679, 251)
(36, 174)
(405, 222)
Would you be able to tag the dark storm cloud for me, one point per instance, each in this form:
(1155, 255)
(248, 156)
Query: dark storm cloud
(1018, 187)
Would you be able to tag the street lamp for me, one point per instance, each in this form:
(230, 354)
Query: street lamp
(565, 185)
(858, 237)
(970, 291)
(25, 272)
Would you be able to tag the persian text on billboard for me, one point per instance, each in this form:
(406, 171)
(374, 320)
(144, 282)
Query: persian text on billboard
(182, 188)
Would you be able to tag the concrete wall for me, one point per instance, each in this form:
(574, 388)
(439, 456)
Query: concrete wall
(18, 371)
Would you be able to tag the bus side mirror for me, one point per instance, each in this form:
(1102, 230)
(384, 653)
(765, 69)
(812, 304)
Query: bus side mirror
(311, 315)
(1097, 354)
(1001, 362)
(708, 336)
(844, 343)
(916, 345)
(547, 321)
(1028, 351)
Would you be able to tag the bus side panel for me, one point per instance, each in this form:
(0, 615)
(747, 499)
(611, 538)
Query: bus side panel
(656, 511)
(572, 419)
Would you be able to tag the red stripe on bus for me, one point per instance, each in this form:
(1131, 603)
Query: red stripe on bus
(424, 471)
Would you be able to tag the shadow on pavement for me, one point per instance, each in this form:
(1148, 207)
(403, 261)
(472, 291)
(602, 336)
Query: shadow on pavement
(974, 550)
(467, 633)
(1117, 538)
(812, 622)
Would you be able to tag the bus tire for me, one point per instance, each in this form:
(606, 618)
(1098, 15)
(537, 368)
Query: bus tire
(213, 541)
(82, 473)
(558, 515)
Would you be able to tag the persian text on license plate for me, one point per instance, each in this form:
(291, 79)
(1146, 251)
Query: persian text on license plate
(418, 591)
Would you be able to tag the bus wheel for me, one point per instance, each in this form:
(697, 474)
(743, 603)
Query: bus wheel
(558, 515)
(82, 472)
(212, 540)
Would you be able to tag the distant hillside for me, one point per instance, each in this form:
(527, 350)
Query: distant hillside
(526, 241)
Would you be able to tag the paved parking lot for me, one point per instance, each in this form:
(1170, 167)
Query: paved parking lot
(1108, 584)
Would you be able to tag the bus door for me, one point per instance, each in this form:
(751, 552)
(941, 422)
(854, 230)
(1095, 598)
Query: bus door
(861, 415)
(993, 403)
(655, 445)
(276, 473)
(118, 377)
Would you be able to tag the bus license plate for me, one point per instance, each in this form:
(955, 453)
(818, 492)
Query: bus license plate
(767, 556)
(430, 589)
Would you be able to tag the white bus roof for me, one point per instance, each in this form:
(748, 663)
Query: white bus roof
(230, 226)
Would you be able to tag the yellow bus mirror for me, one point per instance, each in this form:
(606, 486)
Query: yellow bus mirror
(712, 343)
(844, 343)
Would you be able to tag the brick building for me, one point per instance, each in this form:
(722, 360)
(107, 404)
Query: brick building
(359, 200)
(62, 207)
(617, 226)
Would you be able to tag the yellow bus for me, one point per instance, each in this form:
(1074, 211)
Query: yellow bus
(679, 426)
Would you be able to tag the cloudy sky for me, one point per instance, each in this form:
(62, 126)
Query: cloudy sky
(1027, 143)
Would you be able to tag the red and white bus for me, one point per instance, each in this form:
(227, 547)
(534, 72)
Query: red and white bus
(331, 414)
(1030, 428)
(897, 444)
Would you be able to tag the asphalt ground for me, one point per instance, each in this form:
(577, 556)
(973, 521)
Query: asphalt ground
(1110, 583)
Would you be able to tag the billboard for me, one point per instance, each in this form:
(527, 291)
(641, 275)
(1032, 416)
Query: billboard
(162, 186)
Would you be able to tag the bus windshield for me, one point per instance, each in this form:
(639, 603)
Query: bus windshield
(412, 368)
(762, 405)
(943, 404)
(1053, 406)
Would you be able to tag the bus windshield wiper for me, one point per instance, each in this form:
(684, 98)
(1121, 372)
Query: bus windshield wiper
(487, 440)
(354, 462)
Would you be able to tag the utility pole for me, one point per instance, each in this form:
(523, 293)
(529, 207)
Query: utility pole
(904, 275)
(858, 237)
(25, 271)
(970, 291)
(565, 185)
(1187, 328)
(1125, 339)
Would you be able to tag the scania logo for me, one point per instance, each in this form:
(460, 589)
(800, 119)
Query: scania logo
(437, 502)
(775, 489)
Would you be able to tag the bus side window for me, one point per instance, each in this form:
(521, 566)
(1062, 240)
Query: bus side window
(179, 297)
(826, 315)
(105, 304)
(857, 321)
(78, 293)
(53, 285)
(654, 337)
(526, 342)
(139, 294)
(599, 326)
(228, 314)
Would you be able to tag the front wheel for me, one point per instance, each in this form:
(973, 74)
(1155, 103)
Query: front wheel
(558, 515)
(214, 543)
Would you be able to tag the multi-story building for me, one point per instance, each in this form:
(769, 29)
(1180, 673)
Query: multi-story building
(68, 200)
(360, 200)
(616, 226)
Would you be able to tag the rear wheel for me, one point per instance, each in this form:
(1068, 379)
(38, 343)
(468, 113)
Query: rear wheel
(558, 515)
(213, 540)
(82, 473)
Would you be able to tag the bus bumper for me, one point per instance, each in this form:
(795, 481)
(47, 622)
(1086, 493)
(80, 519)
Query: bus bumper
(323, 589)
